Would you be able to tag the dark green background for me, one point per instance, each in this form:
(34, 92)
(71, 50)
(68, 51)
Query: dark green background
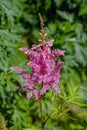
(66, 23)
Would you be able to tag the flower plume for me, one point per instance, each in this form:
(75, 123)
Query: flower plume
(45, 68)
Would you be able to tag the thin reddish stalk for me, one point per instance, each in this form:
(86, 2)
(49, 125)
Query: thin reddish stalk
(3, 127)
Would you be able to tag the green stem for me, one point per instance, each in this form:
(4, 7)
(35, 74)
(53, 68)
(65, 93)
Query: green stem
(41, 112)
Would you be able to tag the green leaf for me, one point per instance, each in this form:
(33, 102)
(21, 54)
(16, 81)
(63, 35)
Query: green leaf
(63, 92)
(79, 104)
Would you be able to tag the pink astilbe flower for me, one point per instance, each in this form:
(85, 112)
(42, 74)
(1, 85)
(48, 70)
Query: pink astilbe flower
(45, 69)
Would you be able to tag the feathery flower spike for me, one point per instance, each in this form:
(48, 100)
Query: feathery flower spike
(45, 67)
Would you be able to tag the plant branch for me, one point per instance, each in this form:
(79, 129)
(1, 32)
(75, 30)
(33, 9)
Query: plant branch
(41, 112)
(3, 123)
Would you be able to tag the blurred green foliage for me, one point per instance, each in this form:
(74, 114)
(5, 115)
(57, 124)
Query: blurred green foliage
(65, 22)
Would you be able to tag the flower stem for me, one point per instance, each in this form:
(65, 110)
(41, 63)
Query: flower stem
(3, 123)
(41, 112)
